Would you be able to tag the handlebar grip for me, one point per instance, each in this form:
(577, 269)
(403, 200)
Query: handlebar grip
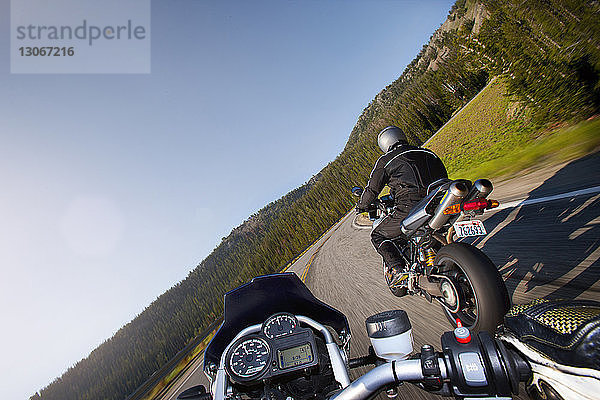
(455, 367)
(483, 366)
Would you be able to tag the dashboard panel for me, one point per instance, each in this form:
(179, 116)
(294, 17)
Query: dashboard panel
(281, 347)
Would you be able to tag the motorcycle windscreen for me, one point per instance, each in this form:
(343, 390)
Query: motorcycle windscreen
(262, 297)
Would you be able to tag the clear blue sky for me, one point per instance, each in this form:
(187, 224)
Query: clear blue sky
(114, 187)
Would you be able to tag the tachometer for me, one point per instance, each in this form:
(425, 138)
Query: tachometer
(248, 358)
(279, 325)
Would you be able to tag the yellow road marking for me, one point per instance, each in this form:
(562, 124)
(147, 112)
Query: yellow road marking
(303, 278)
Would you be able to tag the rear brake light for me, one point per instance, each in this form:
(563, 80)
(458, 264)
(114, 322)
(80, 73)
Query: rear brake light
(477, 204)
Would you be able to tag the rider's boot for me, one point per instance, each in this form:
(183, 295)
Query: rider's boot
(399, 274)
(397, 280)
(396, 273)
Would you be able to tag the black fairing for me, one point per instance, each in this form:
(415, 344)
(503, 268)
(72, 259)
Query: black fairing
(255, 301)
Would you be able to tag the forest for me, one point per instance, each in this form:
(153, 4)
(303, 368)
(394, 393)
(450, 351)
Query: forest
(549, 52)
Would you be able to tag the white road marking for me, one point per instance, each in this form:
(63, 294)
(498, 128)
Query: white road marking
(526, 202)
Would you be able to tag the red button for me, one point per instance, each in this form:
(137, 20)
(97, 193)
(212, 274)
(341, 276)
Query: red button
(462, 335)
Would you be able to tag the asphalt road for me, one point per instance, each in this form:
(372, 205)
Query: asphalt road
(544, 247)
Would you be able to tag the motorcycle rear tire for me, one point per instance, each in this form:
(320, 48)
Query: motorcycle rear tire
(489, 292)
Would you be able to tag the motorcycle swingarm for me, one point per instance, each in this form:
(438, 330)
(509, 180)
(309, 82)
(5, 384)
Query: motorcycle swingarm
(431, 286)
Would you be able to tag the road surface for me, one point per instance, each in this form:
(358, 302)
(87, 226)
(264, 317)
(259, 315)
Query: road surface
(545, 242)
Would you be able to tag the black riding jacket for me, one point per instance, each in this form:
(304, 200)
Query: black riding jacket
(407, 170)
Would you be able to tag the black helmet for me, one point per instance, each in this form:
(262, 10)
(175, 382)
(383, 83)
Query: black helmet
(389, 137)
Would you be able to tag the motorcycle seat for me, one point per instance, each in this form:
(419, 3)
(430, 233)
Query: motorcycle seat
(566, 332)
(440, 182)
(424, 209)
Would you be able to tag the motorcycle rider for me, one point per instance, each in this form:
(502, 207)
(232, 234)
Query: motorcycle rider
(407, 170)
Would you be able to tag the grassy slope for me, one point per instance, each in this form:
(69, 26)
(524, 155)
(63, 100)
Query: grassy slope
(493, 136)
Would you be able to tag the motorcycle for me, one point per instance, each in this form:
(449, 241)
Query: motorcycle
(457, 275)
(279, 342)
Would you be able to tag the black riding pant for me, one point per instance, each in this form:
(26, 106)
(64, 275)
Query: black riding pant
(388, 238)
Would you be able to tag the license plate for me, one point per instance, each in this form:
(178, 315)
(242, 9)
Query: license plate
(473, 227)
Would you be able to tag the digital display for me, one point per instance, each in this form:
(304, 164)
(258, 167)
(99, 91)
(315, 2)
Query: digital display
(295, 356)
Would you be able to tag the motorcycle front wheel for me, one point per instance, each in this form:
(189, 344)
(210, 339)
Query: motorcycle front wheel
(478, 287)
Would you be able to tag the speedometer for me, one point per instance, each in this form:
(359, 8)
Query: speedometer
(248, 358)
(279, 325)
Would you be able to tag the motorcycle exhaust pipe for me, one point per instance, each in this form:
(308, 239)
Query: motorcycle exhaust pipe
(481, 188)
(456, 192)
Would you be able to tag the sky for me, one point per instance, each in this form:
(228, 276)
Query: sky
(115, 186)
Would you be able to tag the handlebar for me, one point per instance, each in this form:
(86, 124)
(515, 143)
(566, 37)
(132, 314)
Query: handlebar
(386, 374)
(469, 366)
(434, 372)
(479, 368)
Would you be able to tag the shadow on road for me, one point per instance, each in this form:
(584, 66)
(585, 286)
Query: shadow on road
(551, 249)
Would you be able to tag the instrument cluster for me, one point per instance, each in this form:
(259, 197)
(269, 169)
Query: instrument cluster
(281, 347)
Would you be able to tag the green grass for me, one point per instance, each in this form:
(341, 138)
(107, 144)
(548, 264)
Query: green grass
(493, 136)
(557, 146)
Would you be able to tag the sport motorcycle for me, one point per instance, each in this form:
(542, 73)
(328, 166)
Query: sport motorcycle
(440, 267)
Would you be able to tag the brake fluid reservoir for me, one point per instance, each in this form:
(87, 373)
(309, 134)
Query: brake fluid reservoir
(390, 333)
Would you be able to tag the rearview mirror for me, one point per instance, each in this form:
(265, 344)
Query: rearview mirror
(194, 393)
(357, 191)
